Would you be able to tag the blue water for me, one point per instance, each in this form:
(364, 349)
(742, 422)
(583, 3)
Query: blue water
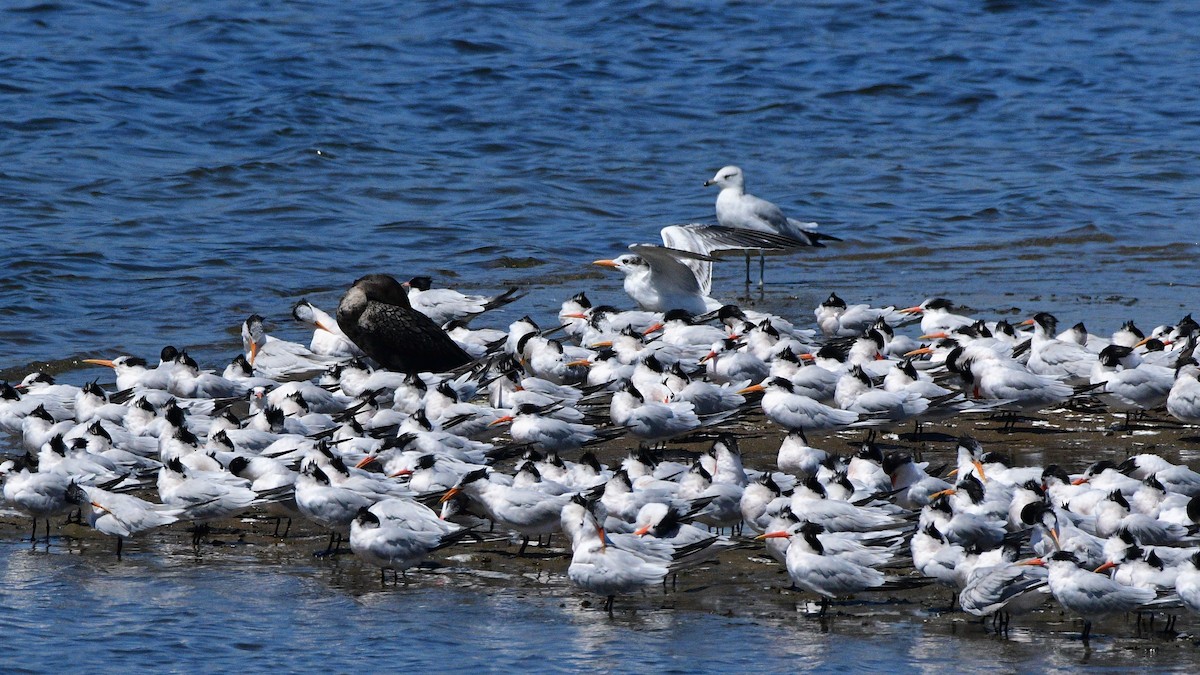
(166, 169)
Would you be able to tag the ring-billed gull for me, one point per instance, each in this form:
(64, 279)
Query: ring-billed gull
(741, 211)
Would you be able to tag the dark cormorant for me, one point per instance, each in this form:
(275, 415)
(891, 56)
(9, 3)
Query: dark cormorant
(376, 315)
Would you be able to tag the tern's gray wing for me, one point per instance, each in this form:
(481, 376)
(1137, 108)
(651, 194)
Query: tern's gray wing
(673, 267)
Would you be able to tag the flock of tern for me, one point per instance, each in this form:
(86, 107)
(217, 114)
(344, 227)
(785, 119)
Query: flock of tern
(392, 426)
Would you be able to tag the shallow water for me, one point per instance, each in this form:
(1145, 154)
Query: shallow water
(167, 169)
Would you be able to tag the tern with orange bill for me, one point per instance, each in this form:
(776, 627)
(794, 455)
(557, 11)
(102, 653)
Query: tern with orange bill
(388, 536)
(119, 515)
(328, 338)
(658, 280)
(795, 412)
(279, 359)
(530, 427)
(937, 314)
(528, 512)
(1088, 594)
(599, 568)
(829, 575)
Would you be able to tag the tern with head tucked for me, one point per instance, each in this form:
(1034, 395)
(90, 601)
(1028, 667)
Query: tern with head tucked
(328, 338)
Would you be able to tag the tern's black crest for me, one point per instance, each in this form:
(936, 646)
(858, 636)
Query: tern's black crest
(375, 314)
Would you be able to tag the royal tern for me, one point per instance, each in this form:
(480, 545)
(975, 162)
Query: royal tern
(796, 412)
(376, 315)
(658, 280)
(119, 515)
(1088, 594)
(599, 568)
(328, 338)
(829, 575)
(37, 494)
(443, 305)
(394, 543)
(937, 314)
(278, 359)
(133, 372)
(525, 511)
(837, 319)
(1002, 590)
(1056, 358)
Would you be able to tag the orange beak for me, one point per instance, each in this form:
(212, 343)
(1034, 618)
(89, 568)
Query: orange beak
(321, 326)
(979, 469)
(581, 363)
(912, 310)
(1105, 567)
(806, 357)
(365, 461)
(920, 351)
(605, 263)
(1027, 322)
(501, 420)
(100, 507)
(751, 389)
(947, 491)
(651, 329)
(1038, 562)
(602, 343)
(253, 352)
(603, 540)
(642, 531)
(940, 335)
(449, 495)
(1080, 481)
(99, 362)
(401, 472)
(780, 534)
(574, 315)
(708, 357)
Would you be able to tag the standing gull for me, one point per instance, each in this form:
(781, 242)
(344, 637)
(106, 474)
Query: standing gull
(741, 211)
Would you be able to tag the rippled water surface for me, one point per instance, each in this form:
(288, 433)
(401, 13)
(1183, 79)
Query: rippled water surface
(167, 169)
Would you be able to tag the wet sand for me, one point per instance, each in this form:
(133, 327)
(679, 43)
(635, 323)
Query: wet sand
(743, 585)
